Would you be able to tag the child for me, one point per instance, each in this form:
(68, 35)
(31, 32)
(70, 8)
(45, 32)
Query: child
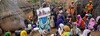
(66, 31)
(60, 29)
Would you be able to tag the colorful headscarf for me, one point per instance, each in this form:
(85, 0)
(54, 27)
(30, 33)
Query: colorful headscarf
(23, 33)
(91, 23)
(66, 28)
(7, 34)
(61, 25)
(60, 30)
(90, 15)
(66, 31)
(79, 20)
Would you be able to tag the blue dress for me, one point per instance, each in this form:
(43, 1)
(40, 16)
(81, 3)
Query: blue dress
(44, 23)
(59, 20)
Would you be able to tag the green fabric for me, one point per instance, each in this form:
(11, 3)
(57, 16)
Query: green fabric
(90, 15)
(7, 34)
(66, 33)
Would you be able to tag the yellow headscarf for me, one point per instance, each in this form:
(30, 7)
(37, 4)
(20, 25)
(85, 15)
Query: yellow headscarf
(66, 28)
(66, 31)
(23, 33)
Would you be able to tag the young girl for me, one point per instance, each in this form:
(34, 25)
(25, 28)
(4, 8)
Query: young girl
(66, 31)
(60, 29)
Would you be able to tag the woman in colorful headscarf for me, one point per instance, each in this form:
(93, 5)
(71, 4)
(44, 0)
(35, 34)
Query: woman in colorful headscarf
(80, 22)
(66, 31)
(91, 23)
(60, 19)
(86, 19)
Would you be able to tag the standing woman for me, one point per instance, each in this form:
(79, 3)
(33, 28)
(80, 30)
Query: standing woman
(60, 19)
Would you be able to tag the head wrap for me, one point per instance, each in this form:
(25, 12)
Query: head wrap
(91, 23)
(61, 25)
(66, 28)
(23, 33)
(7, 34)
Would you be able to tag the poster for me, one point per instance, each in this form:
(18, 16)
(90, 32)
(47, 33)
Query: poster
(42, 12)
(43, 19)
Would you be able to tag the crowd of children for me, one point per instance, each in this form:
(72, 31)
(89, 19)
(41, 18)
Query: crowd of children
(76, 25)
(67, 22)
